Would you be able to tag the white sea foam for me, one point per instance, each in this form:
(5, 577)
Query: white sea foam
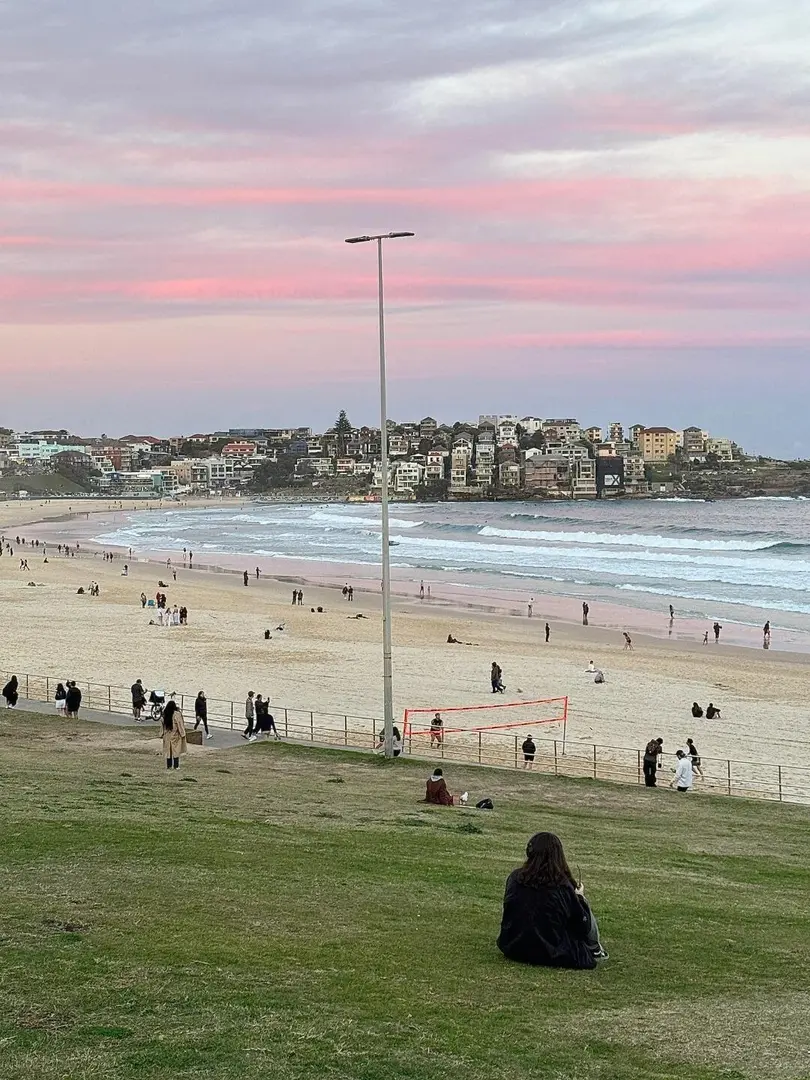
(641, 540)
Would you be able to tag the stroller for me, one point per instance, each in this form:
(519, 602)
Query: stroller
(157, 699)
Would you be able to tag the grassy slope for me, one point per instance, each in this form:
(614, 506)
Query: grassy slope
(267, 921)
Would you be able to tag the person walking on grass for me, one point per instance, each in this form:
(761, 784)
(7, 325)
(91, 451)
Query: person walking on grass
(11, 692)
(174, 735)
(201, 713)
(546, 919)
(250, 714)
(652, 759)
(682, 780)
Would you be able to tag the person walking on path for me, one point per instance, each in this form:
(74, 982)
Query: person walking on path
(59, 698)
(73, 700)
(652, 757)
(138, 699)
(692, 752)
(201, 713)
(250, 714)
(496, 678)
(682, 780)
(174, 735)
(11, 692)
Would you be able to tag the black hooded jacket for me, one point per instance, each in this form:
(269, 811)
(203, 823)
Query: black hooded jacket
(545, 925)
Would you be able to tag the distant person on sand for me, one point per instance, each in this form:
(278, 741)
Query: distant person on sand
(11, 693)
(717, 628)
(711, 711)
(652, 758)
(421, 590)
(143, 599)
(295, 596)
(766, 635)
(697, 711)
(546, 919)
(683, 773)
(258, 573)
(591, 668)
(585, 611)
(436, 790)
(300, 597)
(201, 713)
(351, 594)
(245, 577)
(706, 638)
(671, 612)
(529, 750)
(174, 735)
(436, 730)
(496, 678)
(598, 676)
(548, 633)
(628, 641)
(530, 605)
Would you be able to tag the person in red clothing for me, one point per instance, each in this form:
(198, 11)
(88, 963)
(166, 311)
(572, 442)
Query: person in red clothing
(436, 790)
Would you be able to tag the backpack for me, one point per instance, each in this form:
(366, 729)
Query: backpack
(484, 804)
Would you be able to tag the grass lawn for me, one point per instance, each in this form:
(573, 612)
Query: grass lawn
(284, 913)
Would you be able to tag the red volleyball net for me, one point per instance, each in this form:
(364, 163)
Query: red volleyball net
(460, 722)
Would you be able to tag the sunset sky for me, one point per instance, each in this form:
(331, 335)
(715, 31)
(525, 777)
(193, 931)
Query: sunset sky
(611, 201)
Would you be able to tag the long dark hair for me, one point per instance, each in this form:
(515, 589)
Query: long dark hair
(168, 715)
(545, 862)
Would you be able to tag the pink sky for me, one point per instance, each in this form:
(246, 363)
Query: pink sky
(612, 208)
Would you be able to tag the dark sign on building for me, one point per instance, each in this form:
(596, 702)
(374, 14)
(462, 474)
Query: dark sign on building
(609, 475)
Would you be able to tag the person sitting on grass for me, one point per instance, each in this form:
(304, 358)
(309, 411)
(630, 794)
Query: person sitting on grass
(436, 790)
(546, 919)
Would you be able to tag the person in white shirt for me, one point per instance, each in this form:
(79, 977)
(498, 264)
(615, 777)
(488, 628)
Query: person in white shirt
(683, 772)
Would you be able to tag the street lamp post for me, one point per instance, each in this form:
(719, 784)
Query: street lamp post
(388, 690)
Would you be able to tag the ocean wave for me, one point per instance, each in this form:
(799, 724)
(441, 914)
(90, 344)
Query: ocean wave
(641, 540)
(347, 521)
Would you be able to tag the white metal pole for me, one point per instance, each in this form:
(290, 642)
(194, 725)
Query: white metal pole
(388, 691)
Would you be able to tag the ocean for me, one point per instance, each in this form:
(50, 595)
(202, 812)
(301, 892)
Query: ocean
(743, 560)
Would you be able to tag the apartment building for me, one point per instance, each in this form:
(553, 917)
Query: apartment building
(543, 473)
(593, 434)
(562, 431)
(693, 442)
(408, 476)
(435, 464)
(615, 432)
(459, 467)
(658, 444)
(583, 476)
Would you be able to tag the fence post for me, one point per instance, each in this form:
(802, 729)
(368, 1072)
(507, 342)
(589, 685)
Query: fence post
(479, 747)
(345, 730)
(555, 758)
(728, 773)
(780, 782)
(26, 687)
(231, 716)
(47, 689)
(640, 768)
(594, 761)
(286, 727)
(109, 698)
(516, 751)
(311, 727)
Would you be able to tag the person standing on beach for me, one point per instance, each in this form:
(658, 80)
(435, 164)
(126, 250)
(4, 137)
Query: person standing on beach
(201, 713)
(585, 610)
(548, 633)
(351, 594)
(421, 590)
(190, 558)
(295, 596)
(300, 597)
(174, 735)
(245, 578)
(706, 638)
(766, 635)
(671, 612)
(717, 628)
(250, 715)
(530, 611)
(258, 573)
(628, 641)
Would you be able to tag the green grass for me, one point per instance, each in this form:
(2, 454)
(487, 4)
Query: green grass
(297, 913)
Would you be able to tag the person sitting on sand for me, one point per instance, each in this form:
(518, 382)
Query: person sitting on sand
(453, 640)
(697, 712)
(711, 711)
(591, 668)
(436, 790)
(598, 676)
(546, 919)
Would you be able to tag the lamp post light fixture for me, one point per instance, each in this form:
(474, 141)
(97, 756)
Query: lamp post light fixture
(388, 692)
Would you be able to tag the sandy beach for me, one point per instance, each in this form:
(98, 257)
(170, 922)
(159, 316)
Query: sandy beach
(331, 661)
